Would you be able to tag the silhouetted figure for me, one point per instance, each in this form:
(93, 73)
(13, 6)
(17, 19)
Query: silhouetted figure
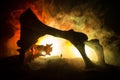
(61, 55)
(32, 29)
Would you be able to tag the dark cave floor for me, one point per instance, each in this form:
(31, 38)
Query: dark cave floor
(10, 69)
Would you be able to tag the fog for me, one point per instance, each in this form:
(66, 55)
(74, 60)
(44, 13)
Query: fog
(97, 19)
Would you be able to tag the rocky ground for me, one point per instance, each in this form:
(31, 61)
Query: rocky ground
(10, 69)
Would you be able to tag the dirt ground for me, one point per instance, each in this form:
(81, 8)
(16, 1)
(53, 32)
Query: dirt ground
(10, 69)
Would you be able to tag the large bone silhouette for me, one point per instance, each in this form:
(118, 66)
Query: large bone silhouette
(32, 29)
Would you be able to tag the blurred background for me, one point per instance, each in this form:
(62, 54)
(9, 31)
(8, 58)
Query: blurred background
(98, 19)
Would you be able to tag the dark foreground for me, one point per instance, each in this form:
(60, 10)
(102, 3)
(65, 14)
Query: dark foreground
(10, 69)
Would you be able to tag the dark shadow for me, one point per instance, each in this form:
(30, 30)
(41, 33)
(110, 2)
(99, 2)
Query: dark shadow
(32, 29)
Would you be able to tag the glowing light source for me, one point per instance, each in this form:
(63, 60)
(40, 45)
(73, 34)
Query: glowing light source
(43, 53)
(60, 46)
(91, 54)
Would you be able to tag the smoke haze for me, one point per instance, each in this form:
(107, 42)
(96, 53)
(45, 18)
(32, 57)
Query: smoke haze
(97, 19)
